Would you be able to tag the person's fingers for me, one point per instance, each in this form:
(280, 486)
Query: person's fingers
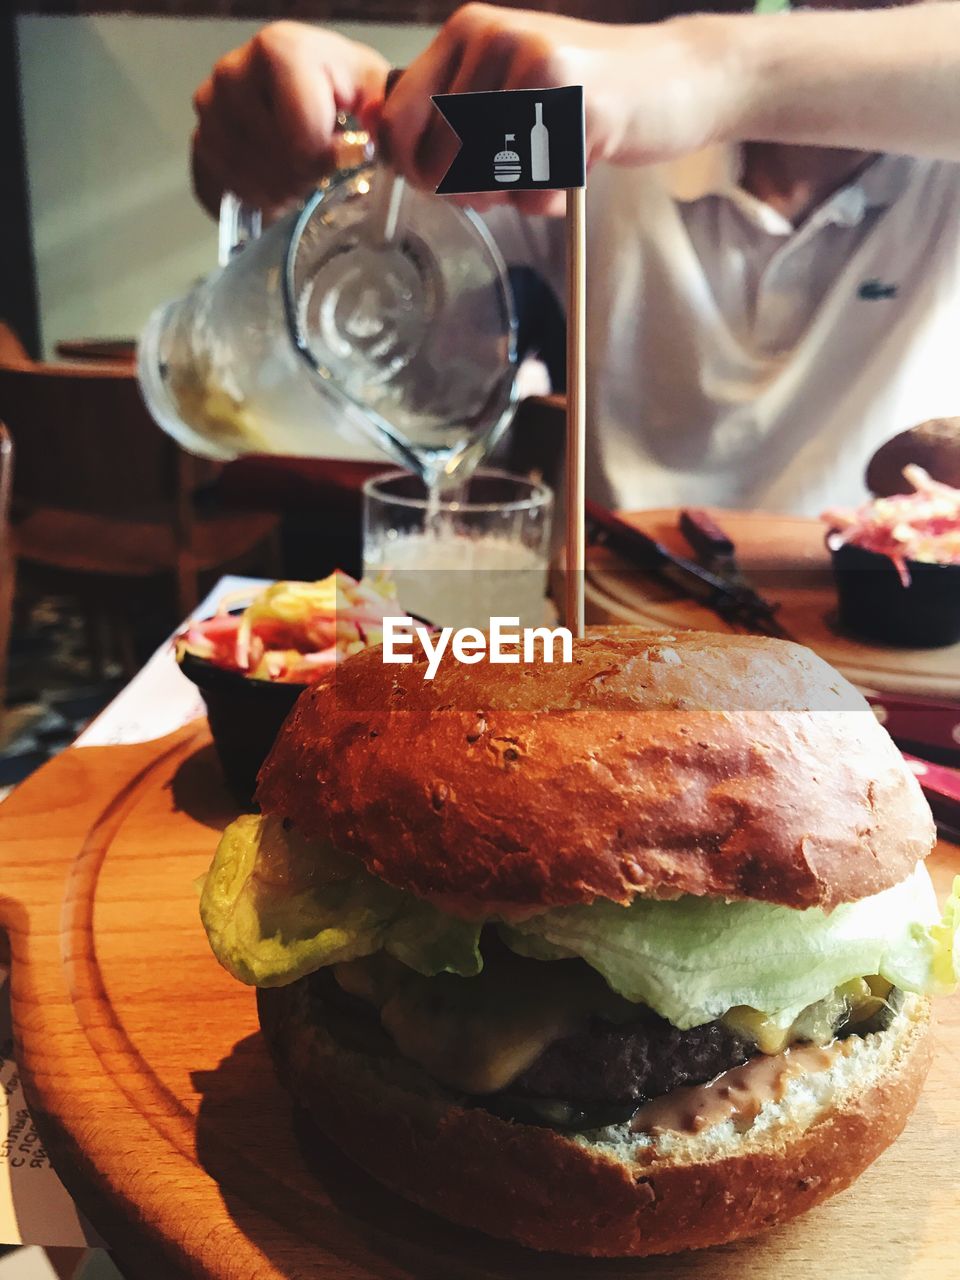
(268, 112)
(408, 114)
(203, 95)
(485, 63)
(253, 138)
(302, 111)
(222, 160)
(479, 50)
(235, 93)
(226, 155)
(229, 143)
(484, 66)
(358, 81)
(437, 144)
(307, 80)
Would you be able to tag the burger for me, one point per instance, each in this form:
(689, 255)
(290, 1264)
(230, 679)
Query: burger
(620, 956)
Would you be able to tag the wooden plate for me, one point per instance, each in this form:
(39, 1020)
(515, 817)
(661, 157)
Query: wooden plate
(785, 558)
(154, 1095)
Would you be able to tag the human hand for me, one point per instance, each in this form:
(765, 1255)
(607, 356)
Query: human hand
(267, 114)
(650, 92)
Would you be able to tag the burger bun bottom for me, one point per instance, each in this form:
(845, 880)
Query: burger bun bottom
(609, 1193)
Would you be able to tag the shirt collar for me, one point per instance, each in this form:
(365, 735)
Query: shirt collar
(717, 170)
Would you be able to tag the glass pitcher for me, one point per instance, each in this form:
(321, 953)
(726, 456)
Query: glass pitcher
(340, 327)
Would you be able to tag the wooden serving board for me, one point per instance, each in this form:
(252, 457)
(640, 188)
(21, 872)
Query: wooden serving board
(153, 1093)
(786, 559)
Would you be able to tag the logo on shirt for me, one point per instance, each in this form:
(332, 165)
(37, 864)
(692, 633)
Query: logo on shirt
(876, 290)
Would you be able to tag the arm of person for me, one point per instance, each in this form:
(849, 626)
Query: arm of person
(878, 80)
(873, 80)
(884, 80)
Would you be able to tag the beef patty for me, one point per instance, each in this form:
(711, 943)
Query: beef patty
(598, 1075)
(631, 1063)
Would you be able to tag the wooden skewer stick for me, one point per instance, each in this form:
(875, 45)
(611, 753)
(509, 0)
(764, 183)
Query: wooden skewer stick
(576, 408)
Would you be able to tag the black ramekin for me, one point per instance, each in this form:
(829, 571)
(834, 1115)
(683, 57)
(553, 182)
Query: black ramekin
(245, 717)
(874, 603)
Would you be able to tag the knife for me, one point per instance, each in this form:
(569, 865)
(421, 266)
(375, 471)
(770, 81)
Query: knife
(716, 551)
(734, 602)
(713, 547)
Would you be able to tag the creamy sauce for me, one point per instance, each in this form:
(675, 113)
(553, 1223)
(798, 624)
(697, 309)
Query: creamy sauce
(478, 1034)
(738, 1094)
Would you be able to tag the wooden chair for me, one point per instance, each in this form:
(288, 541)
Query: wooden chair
(105, 505)
(7, 559)
(12, 351)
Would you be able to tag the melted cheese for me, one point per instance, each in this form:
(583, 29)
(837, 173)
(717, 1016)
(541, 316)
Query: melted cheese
(854, 1002)
(478, 1034)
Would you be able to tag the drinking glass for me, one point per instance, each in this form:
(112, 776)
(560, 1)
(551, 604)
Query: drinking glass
(460, 561)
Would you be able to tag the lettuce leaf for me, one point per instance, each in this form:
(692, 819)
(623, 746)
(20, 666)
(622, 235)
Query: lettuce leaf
(276, 907)
(692, 959)
(944, 946)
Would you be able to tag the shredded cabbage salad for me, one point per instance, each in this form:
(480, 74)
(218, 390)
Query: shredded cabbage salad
(293, 631)
(923, 526)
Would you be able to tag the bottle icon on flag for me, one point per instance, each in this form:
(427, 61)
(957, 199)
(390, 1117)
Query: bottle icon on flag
(539, 148)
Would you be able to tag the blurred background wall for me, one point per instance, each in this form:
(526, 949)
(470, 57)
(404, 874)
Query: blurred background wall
(107, 118)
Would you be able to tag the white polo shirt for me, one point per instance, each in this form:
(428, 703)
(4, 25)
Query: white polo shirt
(735, 360)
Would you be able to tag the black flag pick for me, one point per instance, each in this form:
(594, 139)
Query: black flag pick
(515, 140)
